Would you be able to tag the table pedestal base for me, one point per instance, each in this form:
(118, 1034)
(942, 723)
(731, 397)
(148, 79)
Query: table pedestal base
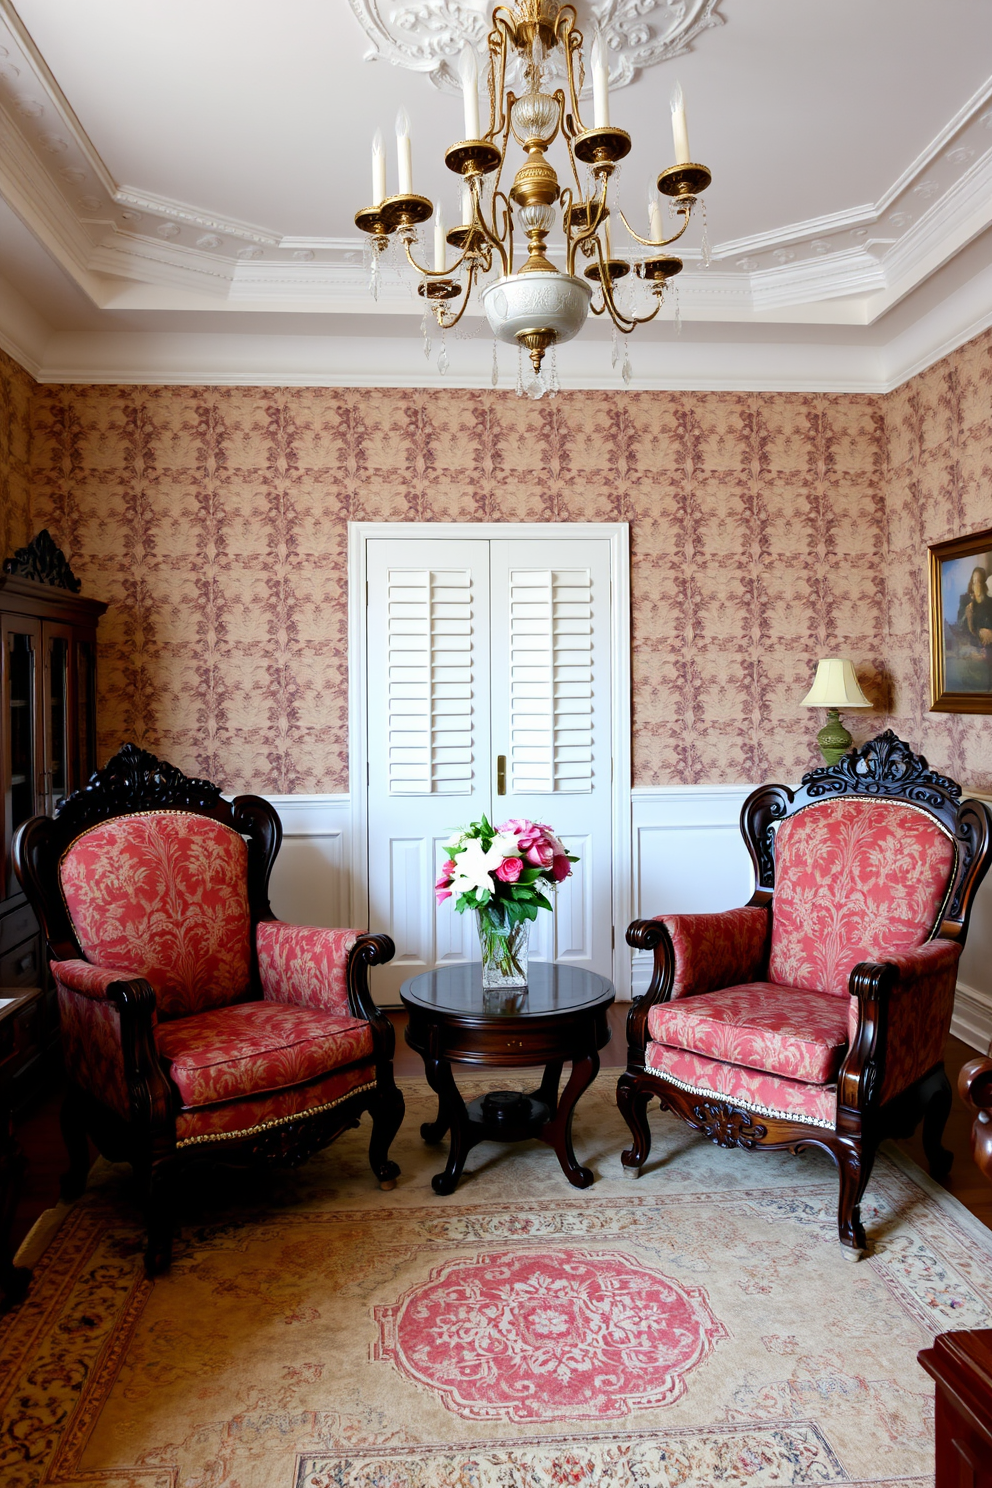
(508, 1116)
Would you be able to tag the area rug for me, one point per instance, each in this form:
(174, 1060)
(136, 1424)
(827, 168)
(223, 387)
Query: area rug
(698, 1327)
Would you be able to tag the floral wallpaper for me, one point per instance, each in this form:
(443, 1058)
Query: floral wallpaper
(938, 485)
(16, 389)
(766, 530)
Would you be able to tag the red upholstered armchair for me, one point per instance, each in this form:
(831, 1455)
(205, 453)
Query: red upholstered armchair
(816, 1016)
(195, 1024)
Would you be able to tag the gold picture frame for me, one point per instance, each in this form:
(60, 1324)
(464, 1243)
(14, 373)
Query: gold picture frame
(960, 638)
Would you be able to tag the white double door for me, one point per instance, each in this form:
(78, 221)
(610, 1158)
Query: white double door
(488, 692)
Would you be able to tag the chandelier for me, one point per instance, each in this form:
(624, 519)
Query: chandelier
(535, 305)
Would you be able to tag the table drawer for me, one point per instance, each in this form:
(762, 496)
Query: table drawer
(17, 926)
(21, 967)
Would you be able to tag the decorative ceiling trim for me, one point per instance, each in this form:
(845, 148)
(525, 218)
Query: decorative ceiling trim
(177, 211)
(428, 36)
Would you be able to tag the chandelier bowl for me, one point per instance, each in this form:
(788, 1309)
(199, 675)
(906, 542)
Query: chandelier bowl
(521, 304)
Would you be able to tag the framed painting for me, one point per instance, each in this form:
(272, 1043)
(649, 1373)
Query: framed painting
(961, 624)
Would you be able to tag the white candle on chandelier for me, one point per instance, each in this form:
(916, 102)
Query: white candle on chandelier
(656, 229)
(440, 244)
(600, 83)
(680, 129)
(468, 206)
(607, 242)
(378, 169)
(404, 153)
(468, 68)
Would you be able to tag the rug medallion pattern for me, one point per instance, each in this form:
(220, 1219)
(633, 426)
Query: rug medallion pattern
(697, 1328)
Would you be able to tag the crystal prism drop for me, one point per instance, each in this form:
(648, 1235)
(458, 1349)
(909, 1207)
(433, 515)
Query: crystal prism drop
(615, 352)
(520, 371)
(626, 371)
(442, 362)
(535, 388)
(495, 377)
(425, 327)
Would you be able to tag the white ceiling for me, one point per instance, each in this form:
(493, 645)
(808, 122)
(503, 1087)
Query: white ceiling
(180, 183)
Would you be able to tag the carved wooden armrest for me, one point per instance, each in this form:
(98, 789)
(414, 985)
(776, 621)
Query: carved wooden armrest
(886, 1054)
(696, 953)
(975, 1089)
(149, 1091)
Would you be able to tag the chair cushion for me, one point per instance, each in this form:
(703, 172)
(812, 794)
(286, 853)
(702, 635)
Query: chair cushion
(261, 1113)
(163, 895)
(751, 1090)
(781, 1030)
(233, 1052)
(856, 879)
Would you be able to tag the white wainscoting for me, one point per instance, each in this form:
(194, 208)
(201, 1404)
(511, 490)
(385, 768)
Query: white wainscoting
(687, 856)
(311, 883)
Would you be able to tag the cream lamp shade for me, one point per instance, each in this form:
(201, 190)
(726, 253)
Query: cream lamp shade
(835, 686)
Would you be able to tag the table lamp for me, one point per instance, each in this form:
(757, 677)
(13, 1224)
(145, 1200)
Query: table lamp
(835, 686)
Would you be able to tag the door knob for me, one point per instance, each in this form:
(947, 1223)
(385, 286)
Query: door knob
(501, 774)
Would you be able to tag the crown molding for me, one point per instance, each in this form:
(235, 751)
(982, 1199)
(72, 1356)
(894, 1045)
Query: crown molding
(177, 211)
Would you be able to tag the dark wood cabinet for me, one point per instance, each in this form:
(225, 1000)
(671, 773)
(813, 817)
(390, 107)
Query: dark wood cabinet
(961, 1365)
(47, 749)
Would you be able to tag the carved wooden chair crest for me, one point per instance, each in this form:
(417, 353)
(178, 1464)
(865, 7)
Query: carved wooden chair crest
(816, 1016)
(194, 1023)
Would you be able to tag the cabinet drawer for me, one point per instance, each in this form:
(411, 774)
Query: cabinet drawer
(21, 967)
(17, 926)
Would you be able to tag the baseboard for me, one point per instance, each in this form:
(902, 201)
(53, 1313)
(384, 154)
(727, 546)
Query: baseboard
(972, 1020)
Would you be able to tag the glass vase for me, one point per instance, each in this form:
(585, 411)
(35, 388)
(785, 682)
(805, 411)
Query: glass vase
(504, 948)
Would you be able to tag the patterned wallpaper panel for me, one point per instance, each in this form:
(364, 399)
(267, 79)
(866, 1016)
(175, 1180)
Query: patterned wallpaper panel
(938, 485)
(214, 520)
(16, 388)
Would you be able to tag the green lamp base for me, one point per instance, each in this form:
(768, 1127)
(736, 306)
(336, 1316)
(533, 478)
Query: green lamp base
(833, 738)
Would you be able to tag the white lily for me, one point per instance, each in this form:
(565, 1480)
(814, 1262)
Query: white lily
(473, 867)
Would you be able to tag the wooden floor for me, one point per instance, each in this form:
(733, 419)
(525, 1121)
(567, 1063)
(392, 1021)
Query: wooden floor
(42, 1143)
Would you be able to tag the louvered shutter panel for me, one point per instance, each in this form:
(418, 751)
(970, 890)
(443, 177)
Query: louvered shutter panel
(551, 681)
(430, 678)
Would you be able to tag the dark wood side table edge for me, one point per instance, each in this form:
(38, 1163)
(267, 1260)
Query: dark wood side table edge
(14, 1039)
(508, 1041)
(960, 1363)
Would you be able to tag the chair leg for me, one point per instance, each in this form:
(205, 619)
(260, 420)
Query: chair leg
(160, 1216)
(72, 1122)
(632, 1099)
(936, 1095)
(388, 1110)
(855, 1160)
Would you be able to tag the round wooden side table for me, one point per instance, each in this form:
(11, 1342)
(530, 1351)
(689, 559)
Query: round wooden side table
(560, 1016)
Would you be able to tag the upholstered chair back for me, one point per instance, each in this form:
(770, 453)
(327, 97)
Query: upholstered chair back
(163, 895)
(857, 878)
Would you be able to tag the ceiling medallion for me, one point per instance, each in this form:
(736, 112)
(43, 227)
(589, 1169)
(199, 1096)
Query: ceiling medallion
(532, 304)
(428, 35)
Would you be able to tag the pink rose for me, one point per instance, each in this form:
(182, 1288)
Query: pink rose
(516, 826)
(440, 893)
(560, 867)
(448, 867)
(540, 854)
(509, 870)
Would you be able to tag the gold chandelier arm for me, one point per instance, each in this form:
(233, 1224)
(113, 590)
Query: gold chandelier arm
(497, 53)
(650, 242)
(491, 234)
(571, 40)
(590, 230)
(434, 273)
(441, 312)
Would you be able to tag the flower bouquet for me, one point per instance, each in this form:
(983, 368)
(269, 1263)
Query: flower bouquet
(500, 872)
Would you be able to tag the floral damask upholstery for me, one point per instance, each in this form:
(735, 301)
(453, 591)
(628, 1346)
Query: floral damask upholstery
(255, 1047)
(262, 1112)
(163, 895)
(780, 1030)
(717, 950)
(304, 965)
(91, 1041)
(919, 1013)
(856, 879)
(767, 1095)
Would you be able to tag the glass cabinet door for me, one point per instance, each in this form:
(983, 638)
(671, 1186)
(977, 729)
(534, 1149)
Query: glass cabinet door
(23, 784)
(58, 780)
(85, 712)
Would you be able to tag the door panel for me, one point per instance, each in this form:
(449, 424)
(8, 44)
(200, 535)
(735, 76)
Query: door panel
(479, 649)
(429, 745)
(551, 688)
